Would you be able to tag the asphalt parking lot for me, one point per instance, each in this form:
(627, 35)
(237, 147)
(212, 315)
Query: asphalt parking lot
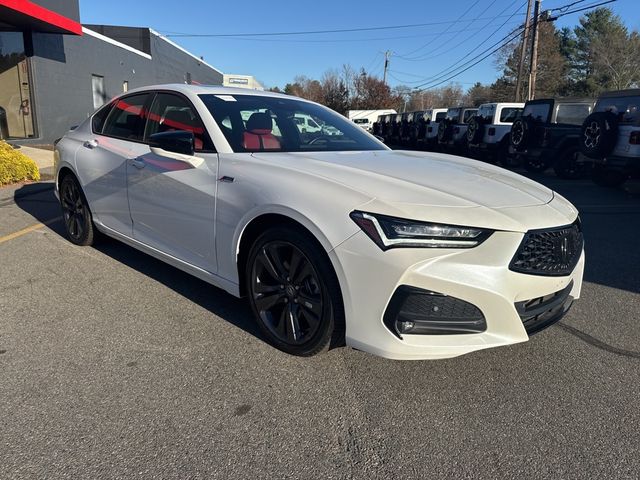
(115, 365)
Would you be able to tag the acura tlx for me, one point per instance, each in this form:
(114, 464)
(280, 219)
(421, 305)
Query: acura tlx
(332, 237)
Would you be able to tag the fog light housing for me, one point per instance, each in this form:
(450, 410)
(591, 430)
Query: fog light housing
(415, 311)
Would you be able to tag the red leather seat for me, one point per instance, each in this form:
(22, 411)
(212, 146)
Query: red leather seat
(258, 136)
(181, 120)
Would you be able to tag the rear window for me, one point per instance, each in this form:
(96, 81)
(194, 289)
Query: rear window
(572, 114)
(453, 114)
(360, 121)
(440, 116)
(487, 112)
(510, 114)
(626, 108)
(468, 114)
(537, 111)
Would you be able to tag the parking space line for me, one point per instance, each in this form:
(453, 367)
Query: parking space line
(24, 231)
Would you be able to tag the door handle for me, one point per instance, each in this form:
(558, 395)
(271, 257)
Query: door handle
(90, 143)
(139, 164)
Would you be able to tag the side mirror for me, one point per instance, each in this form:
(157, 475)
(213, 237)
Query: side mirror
(177, 145)
(179, 141)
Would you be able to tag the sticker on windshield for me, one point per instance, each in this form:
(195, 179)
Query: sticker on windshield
(226, 98)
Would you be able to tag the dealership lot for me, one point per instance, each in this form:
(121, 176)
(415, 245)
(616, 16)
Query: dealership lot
(116, 365)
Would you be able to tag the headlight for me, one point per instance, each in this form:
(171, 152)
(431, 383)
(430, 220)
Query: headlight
(390, 232)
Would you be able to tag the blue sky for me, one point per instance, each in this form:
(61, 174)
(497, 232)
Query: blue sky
(419, 53)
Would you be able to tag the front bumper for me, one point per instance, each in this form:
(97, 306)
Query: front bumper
(479, 276)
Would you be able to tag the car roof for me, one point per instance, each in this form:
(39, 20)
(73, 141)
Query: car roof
(631, 92)
(212, 89)
(563, 100)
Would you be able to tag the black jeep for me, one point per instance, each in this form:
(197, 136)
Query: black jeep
(547, 135)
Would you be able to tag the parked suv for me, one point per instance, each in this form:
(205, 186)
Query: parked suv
(431, 135)
(452, 131)
(611, 137)
(418, 128)
(547, 135)
(396, 124)
(408, 120)
(489, 131)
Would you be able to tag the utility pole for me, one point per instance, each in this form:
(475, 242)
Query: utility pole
(523, 51)
(534, 52)
(387, 54)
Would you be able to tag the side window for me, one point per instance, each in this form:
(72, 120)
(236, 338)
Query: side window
(127, 117)
(573, 114)
(97, 122)
(171, 113)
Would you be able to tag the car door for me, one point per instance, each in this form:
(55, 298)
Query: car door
(101, 160)
(172, 203)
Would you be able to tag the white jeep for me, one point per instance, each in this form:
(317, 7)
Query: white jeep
(488, 132)
(611, 137)
(434, 118)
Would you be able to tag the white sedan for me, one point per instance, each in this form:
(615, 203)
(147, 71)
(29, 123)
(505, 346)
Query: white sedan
(332, 238)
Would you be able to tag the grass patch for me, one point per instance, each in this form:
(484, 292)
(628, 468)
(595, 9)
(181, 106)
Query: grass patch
(15, 166)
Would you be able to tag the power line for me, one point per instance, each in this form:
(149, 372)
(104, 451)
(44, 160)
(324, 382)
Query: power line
(451, 25)
(581, 9)
(457, 65)
(332, 40)
(430, 56)
(315, 32)
(512, 37)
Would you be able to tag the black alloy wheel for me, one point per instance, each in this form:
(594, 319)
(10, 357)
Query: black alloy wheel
(75, 212)
(293, 291)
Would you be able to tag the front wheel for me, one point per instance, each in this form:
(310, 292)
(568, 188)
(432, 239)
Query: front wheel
(293, 291)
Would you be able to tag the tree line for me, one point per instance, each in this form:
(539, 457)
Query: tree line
(600, 53)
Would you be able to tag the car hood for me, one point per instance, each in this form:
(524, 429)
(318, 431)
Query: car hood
(437, 187)
(430, 179)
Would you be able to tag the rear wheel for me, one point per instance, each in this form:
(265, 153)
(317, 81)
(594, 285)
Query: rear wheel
(293, 291)
(75, 212)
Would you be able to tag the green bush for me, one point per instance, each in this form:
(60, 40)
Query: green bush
(16, 166)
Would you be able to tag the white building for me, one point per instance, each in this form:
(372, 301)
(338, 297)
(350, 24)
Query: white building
(241, 81)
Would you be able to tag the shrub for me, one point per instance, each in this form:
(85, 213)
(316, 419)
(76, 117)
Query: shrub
(15, 166)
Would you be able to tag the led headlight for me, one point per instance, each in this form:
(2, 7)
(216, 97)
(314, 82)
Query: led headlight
(390, 232)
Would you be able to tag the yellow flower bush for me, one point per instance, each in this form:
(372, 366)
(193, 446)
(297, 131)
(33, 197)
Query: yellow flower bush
(16, 166)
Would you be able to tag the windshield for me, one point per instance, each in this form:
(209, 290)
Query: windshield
(255, 123)
(626, 108)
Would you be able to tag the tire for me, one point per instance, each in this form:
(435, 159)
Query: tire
(521, 132)
(76, 215)
(475, 130)
(599, 134)
(444, 131)
(299, 310)
(607, 178)
(535, 165)
(568, 167)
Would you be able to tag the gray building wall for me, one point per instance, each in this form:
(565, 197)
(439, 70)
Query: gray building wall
(66, 8)
(62, 66)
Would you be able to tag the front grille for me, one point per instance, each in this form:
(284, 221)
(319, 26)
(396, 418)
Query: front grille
(549, 252)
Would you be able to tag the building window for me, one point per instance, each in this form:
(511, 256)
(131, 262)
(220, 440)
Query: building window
(16, 109)
(99, 95)
(125, 86)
